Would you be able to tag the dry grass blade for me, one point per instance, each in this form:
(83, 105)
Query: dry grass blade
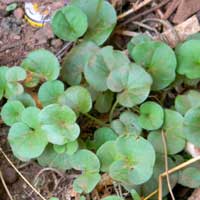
(20, 174)
(5, 186)
(166, 167)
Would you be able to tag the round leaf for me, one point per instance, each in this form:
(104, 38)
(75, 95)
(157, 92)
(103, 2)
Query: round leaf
(30, 117)
(52, 159)
(86, 161)
(26, 99)
(104, 102)
(151, 116)
(133, 83)
(72, 67)
(188, 56)
(101, 19)
(173, 129)
(50, 92)
(100, 64)
(69, 23)
(26, 142)
(191, 126)
(103, 135)
(107, 154)
(186, 101)
(58, 122)
(190, 177)
(43, 64)
(86, 182)
(159, 60)
(138, 158)
(14, 74)
(78, 98)
(11, 112)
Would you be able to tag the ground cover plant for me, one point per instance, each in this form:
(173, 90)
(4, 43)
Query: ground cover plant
(140, 94)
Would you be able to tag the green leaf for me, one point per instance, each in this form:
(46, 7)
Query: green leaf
(72, 68)
(3, 81)
(25, 98)
(128, 123)
(50, 91)
(188, 100)
(100, 64)
(101, 19)
(59, 148)
(72, 147)
(86, 161)
(43, 64)
(30, 117)
(132, 82)
(113, 197)
(69, 23)
(78, 98)
(58, 122)
(138, 158)
(151, 115)
(13, 89)
(104, 102)
(107, 154)
(15, 74)
(135, 195)
(188, 56)
(136, 40)
(52, 159)
(11, 112)
(11, 7)
(191, 126)
(189, 177)
(53, 198)
(86, 182)
(26, 142)
(159, 60)
(173, 129)
(101, 136)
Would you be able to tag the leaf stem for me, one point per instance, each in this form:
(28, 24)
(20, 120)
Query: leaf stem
(112, 110)
(99, 122)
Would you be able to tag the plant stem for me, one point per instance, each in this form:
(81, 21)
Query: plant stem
(101, 123)
(112, 110)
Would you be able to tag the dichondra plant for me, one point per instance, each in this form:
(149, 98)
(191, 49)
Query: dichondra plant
(49, 107)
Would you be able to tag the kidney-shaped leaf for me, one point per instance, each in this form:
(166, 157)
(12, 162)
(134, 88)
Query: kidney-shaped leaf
(50, 92)
(86, 182)
(43, 64)
(86, 161)
(11, 112)
(191, 126)
(188, 56)
(186, 101)
(75, 61)
(58, 122)
(133, 83)
(159, 60)
(50, 158)
(26, 142)
(78, 98)
(138, 158)
(101, 19)
(173, 129)
(100, 64)
(69, 23)
(15, 74)
(151, 115)
(190, 177)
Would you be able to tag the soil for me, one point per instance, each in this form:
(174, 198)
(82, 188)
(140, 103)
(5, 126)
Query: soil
(17, 39)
